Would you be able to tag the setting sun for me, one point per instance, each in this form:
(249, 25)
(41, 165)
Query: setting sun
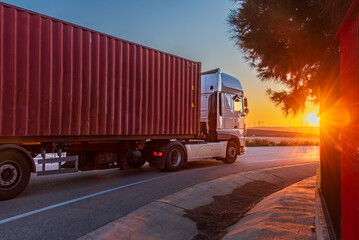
(313, 119)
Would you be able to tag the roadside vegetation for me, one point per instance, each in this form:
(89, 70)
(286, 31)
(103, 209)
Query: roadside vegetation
(282, 136)
(290, 42)
(267, 143)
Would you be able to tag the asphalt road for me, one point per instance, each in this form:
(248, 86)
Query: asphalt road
(69, 206)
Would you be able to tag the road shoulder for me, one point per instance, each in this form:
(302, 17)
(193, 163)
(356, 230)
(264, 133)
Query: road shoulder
(164, 218)
(286, 214)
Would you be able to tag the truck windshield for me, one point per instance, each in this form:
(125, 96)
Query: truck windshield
(232, 105)
(238, 106)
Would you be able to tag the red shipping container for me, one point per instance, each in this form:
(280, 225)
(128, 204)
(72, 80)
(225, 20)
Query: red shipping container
(62, 82)
(348, 36)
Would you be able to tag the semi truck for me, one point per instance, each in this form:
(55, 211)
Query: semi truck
(100, 102)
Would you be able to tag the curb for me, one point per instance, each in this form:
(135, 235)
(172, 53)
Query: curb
(164, 218)
(321, 228)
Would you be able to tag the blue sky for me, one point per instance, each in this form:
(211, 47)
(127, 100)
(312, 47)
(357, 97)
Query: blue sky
(194, 29)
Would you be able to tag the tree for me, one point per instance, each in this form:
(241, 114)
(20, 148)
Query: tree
(290, 42)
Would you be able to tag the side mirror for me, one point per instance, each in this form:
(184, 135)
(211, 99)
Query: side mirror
(246, 111)
(245, 103)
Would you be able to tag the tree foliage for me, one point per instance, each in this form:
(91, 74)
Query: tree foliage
(289, 42)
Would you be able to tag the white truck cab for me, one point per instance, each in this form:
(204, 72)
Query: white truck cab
(222, 123)
(223, 111)
(223, 107)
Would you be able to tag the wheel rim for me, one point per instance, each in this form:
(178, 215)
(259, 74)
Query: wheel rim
(175, 157)
(10, 174)
(232, 152)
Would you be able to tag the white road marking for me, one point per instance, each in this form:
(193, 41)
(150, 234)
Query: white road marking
(10, 219)
(6, 220)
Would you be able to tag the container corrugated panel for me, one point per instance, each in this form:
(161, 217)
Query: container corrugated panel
(58, 79)
(348, 36)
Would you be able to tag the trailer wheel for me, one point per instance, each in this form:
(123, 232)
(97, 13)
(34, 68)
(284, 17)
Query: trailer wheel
(14, 174)
(135, 158)
(231, 152)
(174, 158)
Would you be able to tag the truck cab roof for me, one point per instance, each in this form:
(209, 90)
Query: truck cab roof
(217, 81)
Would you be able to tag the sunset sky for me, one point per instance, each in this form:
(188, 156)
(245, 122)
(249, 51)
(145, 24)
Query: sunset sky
(192, 29)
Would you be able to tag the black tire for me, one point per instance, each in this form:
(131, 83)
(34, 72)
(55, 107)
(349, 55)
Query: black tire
(174, 158)
(231, 152)
(14, 174)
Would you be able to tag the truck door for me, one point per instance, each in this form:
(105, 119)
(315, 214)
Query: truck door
(232, 111)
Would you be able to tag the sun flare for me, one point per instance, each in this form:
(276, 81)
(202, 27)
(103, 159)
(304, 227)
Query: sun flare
(313, 119)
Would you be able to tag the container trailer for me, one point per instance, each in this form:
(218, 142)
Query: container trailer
(102, 102)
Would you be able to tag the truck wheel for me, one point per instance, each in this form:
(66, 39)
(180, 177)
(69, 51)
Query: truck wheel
(14, 174)
(135, 158)
(231, 153)
(174, 158)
